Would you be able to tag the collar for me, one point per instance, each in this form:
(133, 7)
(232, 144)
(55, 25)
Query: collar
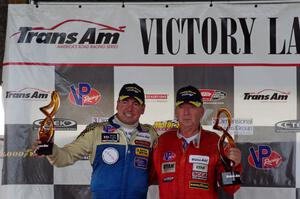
(196, 140)
(115, 122)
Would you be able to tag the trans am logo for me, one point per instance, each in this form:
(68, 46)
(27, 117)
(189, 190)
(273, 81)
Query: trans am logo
(264, 157)
(95, 33)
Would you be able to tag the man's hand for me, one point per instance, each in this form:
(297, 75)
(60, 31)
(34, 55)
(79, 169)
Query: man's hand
(235, 155)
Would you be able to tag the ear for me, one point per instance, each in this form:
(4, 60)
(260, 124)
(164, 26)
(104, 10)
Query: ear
(202, 111)
(144, 108)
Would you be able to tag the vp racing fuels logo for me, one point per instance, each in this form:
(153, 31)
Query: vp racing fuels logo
(90, 35)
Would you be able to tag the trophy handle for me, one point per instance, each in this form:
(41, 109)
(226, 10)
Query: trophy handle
(229, 164)
(44, 134)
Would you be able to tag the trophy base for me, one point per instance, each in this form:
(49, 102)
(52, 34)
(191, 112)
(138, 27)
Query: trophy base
(230, 178)
(44, 149)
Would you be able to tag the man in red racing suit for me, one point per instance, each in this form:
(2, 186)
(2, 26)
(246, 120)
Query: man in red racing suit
(186, 161)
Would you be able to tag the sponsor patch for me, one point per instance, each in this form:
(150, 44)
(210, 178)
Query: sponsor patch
(143, 136)
(142, 143)
(109, 128)
(110, 137)
(168, 167)
(169, 156)
(142, 152)
(110, 155)
(140, 162)
(198, 185)
(199, 159)
(200, 167)
(198, 175)
(168, 179)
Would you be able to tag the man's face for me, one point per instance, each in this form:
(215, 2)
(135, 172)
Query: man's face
(129, 110)
(188, 115)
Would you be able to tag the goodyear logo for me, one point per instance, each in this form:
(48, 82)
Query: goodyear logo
(198, 185)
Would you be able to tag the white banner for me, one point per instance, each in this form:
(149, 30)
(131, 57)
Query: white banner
(154, 34)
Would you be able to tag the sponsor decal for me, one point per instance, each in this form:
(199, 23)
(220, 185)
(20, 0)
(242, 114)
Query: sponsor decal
(28, 94)
(142, 143)
(200, 167)
(267, 95)
(108, 128)
(168, 167)
(287, 126)
(60, 124)
(142, 152)
(169, 156)
(264, 157)
(198, 185)
(156, 97)
(212, 96)
(163, 126)
(198, 175)
(64, 35)
(199, 159)
(110, 137)
(168, 179)
(141, 162)
(239, 126)
(84, 95)
(143, 136)
(99, 119)
(110, 155)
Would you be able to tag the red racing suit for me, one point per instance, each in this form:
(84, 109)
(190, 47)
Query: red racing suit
(191, 173)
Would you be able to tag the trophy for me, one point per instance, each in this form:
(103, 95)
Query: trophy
(229, 177)
(46, 130)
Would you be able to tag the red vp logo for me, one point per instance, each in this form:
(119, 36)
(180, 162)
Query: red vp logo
(84, 95)
(264, 158)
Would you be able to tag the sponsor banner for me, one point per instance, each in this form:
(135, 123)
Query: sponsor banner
(224, 33)
(238, 126)
(158, 85)
(85, 90)
(60, 124)
(288, 126)
(269, 164)
(24, 91)
(266, 192)
(216, 87)
(268, 100)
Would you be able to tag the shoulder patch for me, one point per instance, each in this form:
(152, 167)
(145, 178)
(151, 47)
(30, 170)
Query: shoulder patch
(89, 128)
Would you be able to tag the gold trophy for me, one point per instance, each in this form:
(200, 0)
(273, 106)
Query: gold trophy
(230, 177)
(46, 130)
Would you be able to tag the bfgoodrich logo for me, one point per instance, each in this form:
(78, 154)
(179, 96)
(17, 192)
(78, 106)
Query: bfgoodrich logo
(267, 95)
(27, 94)
(287, 126)
(97, 35)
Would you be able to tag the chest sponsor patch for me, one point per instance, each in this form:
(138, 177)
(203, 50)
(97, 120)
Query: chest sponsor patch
(142, 143)
(199, 159)
(141, 152)
(140, 162)
(110, 137)
(143, 136)
(200, 167)
(198, 185)
(168, 167)
(198, 175)
(169, 156)
(109, 128)
(110, 155)
(168, 179)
